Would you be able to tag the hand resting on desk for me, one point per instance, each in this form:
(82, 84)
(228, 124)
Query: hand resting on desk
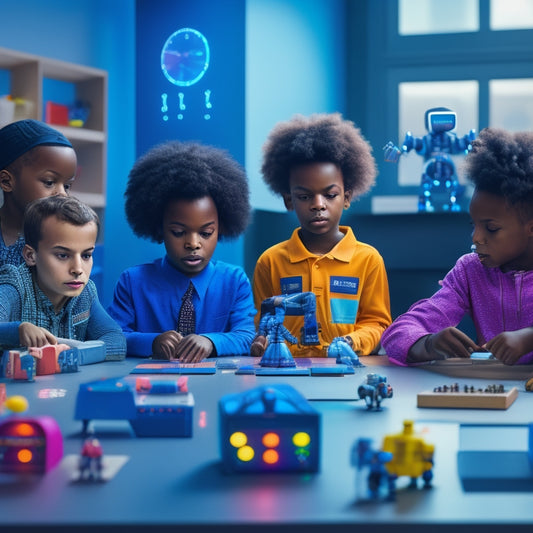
(450, 342)
(508, 347)
(171, 345)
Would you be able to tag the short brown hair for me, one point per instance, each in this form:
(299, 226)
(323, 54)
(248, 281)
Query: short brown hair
(65, 208)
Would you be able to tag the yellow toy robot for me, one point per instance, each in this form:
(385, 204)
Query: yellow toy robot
(411, 455)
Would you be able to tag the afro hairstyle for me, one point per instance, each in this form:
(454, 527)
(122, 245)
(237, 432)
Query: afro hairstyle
(186, 171)
(319, 138)
(501, 163)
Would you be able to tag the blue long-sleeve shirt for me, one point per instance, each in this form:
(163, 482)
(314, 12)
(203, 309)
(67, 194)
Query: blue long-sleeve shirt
(147, 301)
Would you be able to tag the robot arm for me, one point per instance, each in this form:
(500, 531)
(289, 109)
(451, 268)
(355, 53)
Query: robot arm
(464, 144)
(392, 153)
(298, 304)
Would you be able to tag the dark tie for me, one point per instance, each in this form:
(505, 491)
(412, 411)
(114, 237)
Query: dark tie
(187, 316)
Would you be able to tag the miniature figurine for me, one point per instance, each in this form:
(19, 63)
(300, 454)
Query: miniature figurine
(374, 390)
(411, 456)
(273, 333)
(296, 304)
(90, 465)
(342, 351)
(277, 354)
(373, 479)
(440, 188)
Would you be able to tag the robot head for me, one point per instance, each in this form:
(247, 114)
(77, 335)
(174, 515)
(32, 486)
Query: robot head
(440, 119)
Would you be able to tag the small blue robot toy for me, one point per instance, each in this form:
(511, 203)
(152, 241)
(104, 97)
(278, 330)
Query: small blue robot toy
(277, 354)
(343, 353)
(374, 391)
(440, 188)
(373, 481)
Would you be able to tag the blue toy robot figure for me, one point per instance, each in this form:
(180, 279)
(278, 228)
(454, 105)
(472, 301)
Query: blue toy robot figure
(277, 353)
(273, 311)
(343, 353)
(373, 481)
(440, 188)
(374, 391)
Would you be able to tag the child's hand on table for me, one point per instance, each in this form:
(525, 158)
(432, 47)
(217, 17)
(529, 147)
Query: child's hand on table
(453, 343)
(34, 336)
(166, 344)
(509, 346)
(193, 348)
(259, 345)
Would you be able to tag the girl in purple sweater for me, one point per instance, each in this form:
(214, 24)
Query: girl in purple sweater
(494, 284)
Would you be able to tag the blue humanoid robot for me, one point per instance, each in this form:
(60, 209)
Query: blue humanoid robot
(273, 311)
(440, 188)
(374, 390)
(277, 353)
(373, 480)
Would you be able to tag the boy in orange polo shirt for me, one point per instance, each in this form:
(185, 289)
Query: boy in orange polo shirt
(318, 165)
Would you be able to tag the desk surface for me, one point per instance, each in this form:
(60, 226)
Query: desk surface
(170, 481)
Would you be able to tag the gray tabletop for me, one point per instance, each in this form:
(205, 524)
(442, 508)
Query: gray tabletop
(171, 482)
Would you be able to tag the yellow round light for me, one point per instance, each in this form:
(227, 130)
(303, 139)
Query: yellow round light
(270, 457)
(301, 439)
(246, 453)
(238, 439)
(270, 440)
(24, 455)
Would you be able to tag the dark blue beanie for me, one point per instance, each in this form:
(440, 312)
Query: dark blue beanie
(19, 137)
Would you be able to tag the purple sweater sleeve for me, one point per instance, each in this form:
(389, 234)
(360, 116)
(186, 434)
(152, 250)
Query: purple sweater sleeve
(444, 309)
(497, 301)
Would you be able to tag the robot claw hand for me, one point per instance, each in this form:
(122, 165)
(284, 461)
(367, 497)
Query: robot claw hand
(391, 152)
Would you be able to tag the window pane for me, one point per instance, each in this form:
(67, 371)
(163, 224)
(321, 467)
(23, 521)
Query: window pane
(422, 17)
(511, 104)
(417, 97)
(511, 14)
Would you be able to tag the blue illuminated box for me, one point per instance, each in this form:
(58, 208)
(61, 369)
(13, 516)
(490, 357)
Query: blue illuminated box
(269, 429)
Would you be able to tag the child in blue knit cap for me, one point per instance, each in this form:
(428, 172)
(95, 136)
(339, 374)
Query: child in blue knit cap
(35, 161)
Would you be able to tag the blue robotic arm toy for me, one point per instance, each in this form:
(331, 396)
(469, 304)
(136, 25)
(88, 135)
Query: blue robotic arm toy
(440, 188)
(273, 311)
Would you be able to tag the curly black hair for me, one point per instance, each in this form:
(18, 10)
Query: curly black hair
(319, 138)
(501, 163)
(186, 170)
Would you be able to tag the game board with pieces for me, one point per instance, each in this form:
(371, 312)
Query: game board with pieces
(468, 397)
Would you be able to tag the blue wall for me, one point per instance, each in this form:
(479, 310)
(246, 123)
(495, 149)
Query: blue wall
(294, 64)
(101, 34)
